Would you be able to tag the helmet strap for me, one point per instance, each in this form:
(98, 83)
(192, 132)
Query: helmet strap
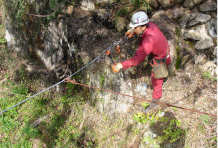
(141, 31)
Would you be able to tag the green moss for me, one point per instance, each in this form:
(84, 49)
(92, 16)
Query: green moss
(122, 12)
(179, 59)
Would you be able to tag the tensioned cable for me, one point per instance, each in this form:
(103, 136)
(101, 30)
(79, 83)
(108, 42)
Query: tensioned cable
(110, 47)
(74, 82)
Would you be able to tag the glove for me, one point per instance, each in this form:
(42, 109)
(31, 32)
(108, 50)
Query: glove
(116, 67)
(129, 33)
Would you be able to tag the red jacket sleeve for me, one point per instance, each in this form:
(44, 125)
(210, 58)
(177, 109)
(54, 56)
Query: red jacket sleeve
(145, 48)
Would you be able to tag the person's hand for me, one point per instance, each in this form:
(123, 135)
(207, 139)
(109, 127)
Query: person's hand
(116, 67)
(129, 33)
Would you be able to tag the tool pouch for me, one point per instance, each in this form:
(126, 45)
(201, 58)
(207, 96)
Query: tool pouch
(160, 70)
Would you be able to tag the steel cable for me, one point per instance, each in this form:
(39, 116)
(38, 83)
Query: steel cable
(109, 48)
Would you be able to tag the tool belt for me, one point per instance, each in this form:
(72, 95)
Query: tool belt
(160, 70)
(160, 67)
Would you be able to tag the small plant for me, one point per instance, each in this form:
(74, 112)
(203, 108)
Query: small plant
(139, 3)
(179, 59)
(170, 132)
(2, 40)
(102, 81)
(207, 75)
(122, 12)
(175, 109)
(145, 104)
(204, 118)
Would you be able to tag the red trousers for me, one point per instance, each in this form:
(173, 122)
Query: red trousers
(157, 83)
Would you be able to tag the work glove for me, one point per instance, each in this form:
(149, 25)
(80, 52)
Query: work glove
(116, 67)
(129, 33)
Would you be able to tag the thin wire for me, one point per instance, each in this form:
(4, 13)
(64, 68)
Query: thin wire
(116, 43)
(73, 81)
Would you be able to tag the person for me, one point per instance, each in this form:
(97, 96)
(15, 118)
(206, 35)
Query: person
(151, 42)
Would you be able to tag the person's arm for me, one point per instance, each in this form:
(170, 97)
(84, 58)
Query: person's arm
(145, 49)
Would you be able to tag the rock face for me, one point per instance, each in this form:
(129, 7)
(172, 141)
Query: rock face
(212, 28)
(83, 31)
(207, 7)
(206, 41)
(168, 28)
(193, 35)
(197, 18)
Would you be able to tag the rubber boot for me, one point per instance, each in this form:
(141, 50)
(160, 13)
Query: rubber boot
(151, 106)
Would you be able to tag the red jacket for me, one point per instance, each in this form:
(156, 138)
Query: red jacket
(152, 42)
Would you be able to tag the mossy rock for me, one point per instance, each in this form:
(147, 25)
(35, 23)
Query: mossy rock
(120, 23)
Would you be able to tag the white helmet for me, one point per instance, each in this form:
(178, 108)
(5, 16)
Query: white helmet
(138, 19)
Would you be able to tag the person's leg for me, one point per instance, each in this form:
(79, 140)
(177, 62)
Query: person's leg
(157, 92)
(157, 85)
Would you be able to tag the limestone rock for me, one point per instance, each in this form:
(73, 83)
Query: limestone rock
(81, 31)
(215, 54)
(185, 59)
(153, 3)
(204, 44)
(79, 13)
(70, 10)
(193, 35)
(87, 5)
(184, 20)
(197, 2)
(206, 41)
(212, 28)
(200, 59)
(206, 7)
(105, 1)
(197, 18)
(180, 1)
(165, 3)
(189, 4)
(209, 66)
(120, 23)
(102, 14)
(215, 51)
(177, 13)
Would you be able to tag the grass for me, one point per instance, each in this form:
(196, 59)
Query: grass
(47, 117)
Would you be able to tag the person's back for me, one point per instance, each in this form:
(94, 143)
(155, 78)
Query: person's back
(160, 42)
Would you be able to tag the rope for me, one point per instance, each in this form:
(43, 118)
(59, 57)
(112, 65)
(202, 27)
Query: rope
(116, 43)
(74, 82)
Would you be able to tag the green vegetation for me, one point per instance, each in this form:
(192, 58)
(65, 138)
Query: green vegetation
(122, 12)
(179, 59)
(208, 75)
(145, 104)
(170, 128)
(45, 120)
(140, 3)
(204, 118)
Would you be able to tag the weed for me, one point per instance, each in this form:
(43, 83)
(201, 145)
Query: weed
(2, 40)
(207, 75)
(175, 109)
(136, 131)
(204, 118)
(122, 12)
(179, 59)
(102, 81)
(170, 132)
(139, 3)
(145, 104)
